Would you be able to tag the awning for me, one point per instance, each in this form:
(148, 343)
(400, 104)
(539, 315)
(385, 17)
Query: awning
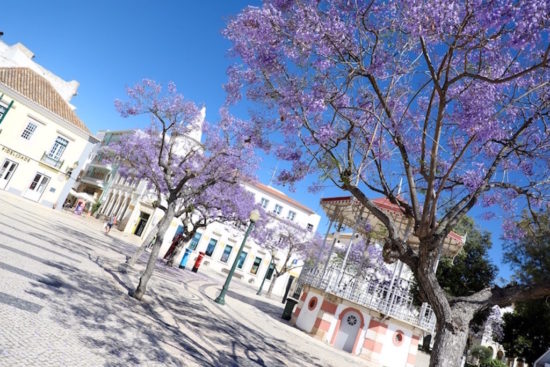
(82, 195)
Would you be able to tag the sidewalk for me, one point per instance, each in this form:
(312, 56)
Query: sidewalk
(64, 303)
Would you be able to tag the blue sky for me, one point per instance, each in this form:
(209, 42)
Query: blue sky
(108, 45)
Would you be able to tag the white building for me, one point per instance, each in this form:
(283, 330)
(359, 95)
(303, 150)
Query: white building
(372, 315)
(220, 242)
(43, 143)
(133, 204)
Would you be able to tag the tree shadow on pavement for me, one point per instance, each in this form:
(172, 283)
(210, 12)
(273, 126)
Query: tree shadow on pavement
(171, 327)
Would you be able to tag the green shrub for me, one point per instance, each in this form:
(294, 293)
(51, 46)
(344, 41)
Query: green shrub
(95, 207)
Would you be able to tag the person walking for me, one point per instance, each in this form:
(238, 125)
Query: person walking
(110, 223)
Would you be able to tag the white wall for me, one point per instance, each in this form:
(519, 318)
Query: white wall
(18, 55)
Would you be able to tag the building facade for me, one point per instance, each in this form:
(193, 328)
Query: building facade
(43, 143)
(133, 204)
(220, 242)
(370, 314)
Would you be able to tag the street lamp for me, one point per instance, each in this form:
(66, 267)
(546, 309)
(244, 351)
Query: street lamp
(254, 216)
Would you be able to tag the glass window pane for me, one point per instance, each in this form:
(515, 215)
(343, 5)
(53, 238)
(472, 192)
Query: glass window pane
(29, 130)
(211, 246)
(58, 148)
(256, 265)
(195, 241)
(226, 253)
(242, 258)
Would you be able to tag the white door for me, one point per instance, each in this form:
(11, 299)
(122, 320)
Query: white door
(6, 172)
(37, 187)
(347, 333)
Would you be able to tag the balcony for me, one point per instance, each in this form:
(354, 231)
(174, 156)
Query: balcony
(391, 299)
(56, 163)
(93, 181)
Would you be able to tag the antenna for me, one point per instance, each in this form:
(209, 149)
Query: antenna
(399, 187)
(274, 173)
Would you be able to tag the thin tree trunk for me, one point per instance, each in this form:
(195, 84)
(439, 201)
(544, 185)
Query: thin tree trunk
(171, 261)
(272, 284)
(131, 261)
(164, 223)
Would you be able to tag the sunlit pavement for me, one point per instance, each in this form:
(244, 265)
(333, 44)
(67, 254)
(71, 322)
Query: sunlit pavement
(63, 302)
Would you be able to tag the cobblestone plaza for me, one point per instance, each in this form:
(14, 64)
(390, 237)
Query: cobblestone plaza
(64, 303)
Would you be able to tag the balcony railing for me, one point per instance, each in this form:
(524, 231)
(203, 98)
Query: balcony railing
(392, 299)
(93, 181)
(51, 161)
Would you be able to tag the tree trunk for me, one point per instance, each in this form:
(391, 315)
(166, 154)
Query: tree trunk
(449, 345)
(452, 325)
(272, 284)
(131, 261)
(163, 225)
(171, 261)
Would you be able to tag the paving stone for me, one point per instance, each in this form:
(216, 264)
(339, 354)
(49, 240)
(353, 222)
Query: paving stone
(64, 302)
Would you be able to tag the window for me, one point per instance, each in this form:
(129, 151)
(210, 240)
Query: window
(278, 209)
(7, 170)
(269, 272)
(242, 258)
(211, 246)
(2, 110)
(264, 203)
(291, 215)
(29, 130)
(256, 265)
(226, 253)
(309, 227)
(58, 148)
(195, 241)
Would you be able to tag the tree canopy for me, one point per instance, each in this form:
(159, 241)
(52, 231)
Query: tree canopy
(187, 174)
(526, 331)
(453, 97)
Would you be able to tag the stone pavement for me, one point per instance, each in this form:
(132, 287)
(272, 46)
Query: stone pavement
(63, 302)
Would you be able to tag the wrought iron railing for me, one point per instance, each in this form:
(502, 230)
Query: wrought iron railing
(391, 298)
(51, 161)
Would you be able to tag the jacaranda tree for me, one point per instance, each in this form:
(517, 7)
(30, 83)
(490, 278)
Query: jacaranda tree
(173, 162)
(451, 96)
(288, 240)
(223, 202)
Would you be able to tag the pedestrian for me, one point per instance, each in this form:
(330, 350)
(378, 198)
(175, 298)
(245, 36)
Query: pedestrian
(79, 208)
(110, 223)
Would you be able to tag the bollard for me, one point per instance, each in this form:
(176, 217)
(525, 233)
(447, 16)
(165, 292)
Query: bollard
(198, 262)
(185, 258)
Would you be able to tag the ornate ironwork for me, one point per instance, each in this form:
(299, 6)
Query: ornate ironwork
(374, 291)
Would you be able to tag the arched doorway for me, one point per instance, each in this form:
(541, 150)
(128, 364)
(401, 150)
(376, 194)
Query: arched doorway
(349, 324)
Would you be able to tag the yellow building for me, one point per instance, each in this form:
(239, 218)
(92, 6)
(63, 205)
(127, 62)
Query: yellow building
(43, 143)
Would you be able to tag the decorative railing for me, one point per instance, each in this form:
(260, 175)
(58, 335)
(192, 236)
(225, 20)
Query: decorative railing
(92, 180)
(51, 161)
(391, 298)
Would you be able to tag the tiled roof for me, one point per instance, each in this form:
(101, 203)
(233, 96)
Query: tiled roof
(280, 195)
(35, 87)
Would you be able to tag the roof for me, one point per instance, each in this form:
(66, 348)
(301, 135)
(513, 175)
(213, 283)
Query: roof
(35, 87)
(347, 209)
(271, 191)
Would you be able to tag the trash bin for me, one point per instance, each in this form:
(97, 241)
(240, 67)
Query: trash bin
(185, 258)
(289, 307)
(198, 262)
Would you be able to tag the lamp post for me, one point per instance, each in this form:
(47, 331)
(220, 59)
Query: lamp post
(254, 216)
